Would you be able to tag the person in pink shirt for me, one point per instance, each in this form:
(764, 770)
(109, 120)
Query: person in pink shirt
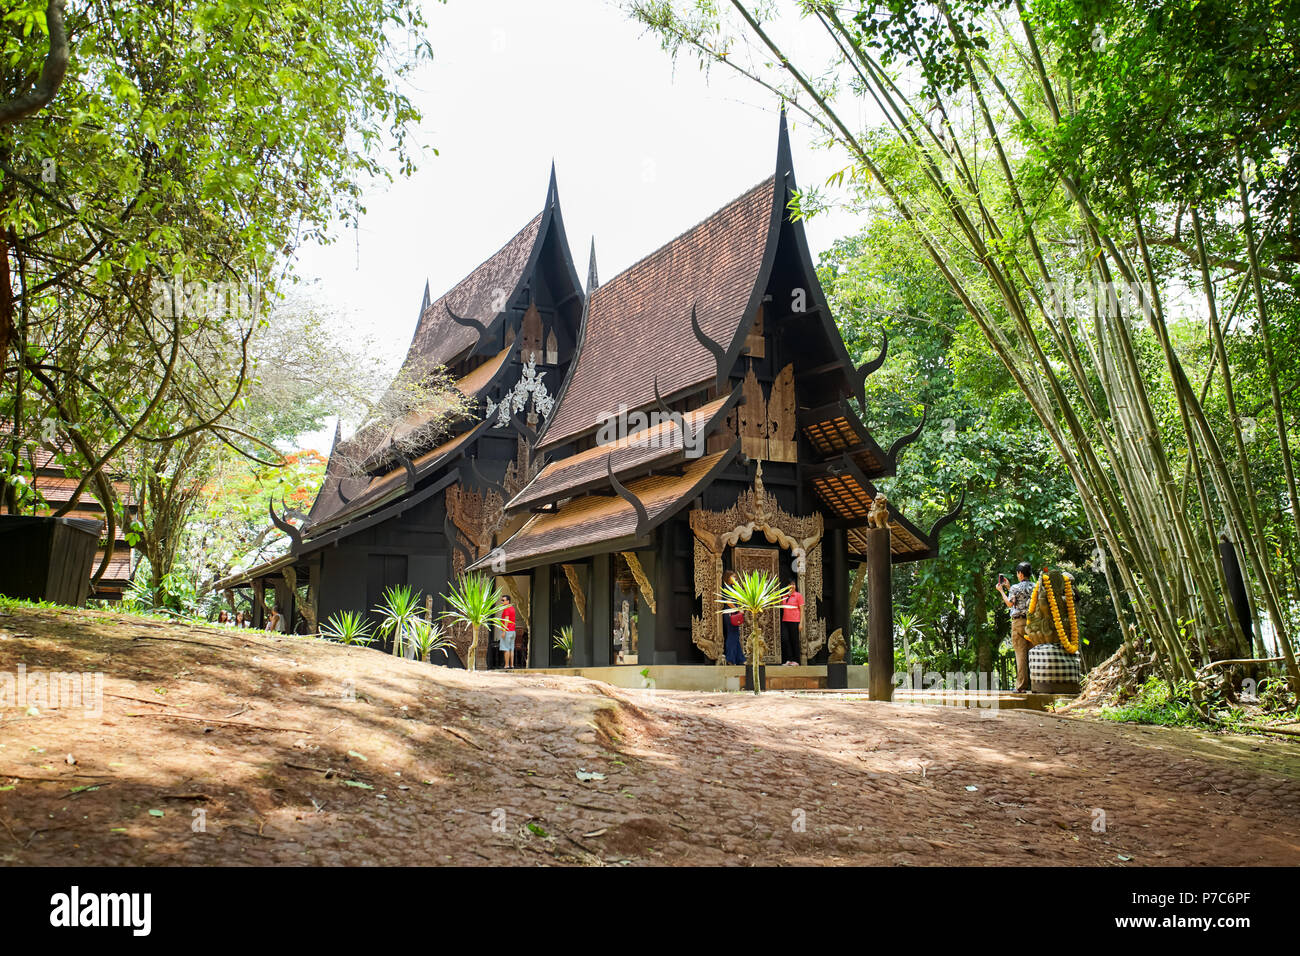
(791, 622)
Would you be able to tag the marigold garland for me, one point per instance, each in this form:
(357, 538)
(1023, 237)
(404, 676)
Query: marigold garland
(1070, 643)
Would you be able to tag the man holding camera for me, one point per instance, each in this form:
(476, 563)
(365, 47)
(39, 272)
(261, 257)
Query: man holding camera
(1016, 597)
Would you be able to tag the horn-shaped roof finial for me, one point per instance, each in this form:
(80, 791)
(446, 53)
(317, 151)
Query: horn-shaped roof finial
(593, 280)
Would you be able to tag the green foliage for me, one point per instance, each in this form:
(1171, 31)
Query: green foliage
(476, 601)
(173, 595)
(348, 627)
(1097, 200)
(399, 611)
(1158, 703)
(1168, 93)
(228, 529)
(981, 436)
(563, 641)
(754, 594)
(426, 637)
(147, 213)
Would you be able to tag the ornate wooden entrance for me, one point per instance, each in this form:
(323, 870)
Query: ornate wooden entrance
(767, 560)
(715, 531)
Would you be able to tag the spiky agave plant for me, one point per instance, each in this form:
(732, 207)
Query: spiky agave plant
(348, 627)
(563, 641)
(476, 601)
(399, 610)
(754, 594)
(427, 637)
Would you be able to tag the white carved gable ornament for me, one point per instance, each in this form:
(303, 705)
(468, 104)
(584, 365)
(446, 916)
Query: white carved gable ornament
(530, 387)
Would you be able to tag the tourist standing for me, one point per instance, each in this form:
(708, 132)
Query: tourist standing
(791, 624)
(1016, 597)
(507, 643)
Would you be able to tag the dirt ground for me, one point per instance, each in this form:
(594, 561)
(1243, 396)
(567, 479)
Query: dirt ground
(224, 747)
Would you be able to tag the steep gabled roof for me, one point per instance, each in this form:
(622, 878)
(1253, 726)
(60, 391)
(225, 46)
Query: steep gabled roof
(482, 296)
(343, 489)
(656, 446)
(342, 499)
(638, 324)
(590, 524)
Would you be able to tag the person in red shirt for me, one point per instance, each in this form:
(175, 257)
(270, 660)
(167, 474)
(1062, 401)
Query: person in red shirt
(507, 643)
(791, 622)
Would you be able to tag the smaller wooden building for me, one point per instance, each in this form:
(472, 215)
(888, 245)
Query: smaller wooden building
(56, 487)
(389, 514)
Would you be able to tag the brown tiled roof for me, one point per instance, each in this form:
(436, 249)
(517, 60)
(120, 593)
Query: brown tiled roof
(849, 498)
(472, 385)
(437, 340)
(658, 444)
(638, 324)
(364, 493)
(596, 520)
(119, 569)
(844, 495)
(906, 543)
(481, 295)
(359, 489)
(843, 432)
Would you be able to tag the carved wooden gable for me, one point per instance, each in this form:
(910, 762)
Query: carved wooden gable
(766, 425)
(530, 335)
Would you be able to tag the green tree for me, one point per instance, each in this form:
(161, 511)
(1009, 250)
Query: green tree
(151, 199)
(982, 437)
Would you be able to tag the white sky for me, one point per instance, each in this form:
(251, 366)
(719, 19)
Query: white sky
(642, 150)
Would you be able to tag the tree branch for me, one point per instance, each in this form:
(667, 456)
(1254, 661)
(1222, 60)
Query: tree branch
(51, 78)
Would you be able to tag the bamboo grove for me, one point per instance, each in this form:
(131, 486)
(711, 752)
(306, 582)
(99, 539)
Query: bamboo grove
(1089, 271)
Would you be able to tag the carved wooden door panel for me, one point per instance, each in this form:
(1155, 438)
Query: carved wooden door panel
(767, 560)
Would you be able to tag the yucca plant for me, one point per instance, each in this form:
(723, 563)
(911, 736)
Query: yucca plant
(427, 637)
(755, 594)
(563, 641)
(476, 601)
(907, 627)
(348, 627)
(399, 610)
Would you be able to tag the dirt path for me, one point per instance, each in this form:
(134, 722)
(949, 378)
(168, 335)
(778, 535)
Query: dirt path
(222, 747)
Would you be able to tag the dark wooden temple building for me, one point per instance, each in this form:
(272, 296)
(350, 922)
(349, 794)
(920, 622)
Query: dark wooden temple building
(705, 425)
(631, 444)
(392, 514)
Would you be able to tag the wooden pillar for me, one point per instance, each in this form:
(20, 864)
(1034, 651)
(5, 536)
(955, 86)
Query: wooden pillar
(583, 644)
(259, 603)
(539, 628)
(599, 611)
(659, 645)
(835, 564)
(880, 616)
(313, 593)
